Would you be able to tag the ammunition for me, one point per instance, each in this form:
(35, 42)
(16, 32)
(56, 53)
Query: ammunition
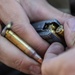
(18, 42)
(60, 30)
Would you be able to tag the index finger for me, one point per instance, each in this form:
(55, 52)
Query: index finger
(54, 50)
(12, 11)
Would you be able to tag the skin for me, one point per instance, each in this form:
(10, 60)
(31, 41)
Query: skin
(58, 62)
(21, 13)
(0, 28)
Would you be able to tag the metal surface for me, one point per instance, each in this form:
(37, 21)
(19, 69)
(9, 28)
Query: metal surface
(50, 30)
(60, 31)
(18, 42)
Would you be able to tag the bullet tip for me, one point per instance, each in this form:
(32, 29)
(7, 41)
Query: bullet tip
(38, 58)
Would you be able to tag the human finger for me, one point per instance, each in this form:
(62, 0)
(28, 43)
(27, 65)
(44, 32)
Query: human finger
(38, 10)
(11, 11)
(13, 57)
(69, 32)
(50, 65)
(54, 50)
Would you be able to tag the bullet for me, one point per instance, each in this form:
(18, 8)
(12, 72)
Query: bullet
(18, 42)
(60, 30)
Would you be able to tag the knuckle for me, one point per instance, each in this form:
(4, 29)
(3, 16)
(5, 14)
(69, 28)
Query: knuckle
(68, 21)
(66, 16)
(20, 29)
(19, 65)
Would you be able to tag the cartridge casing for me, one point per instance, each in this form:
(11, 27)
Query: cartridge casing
(22, 45)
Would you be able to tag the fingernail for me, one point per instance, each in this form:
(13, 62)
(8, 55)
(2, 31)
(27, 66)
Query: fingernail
(35, 70)
(71, 24)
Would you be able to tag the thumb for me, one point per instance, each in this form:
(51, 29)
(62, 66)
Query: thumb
(69, 29)
(54, 50)
(48, 65)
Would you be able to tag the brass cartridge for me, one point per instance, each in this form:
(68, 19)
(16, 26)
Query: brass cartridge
(18, 42)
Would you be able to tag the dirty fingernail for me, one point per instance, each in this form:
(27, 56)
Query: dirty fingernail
(35, 70)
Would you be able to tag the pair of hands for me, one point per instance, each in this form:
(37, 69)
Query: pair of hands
(21, 13)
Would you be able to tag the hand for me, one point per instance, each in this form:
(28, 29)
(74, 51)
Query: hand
(21, 13)
(58, 62)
